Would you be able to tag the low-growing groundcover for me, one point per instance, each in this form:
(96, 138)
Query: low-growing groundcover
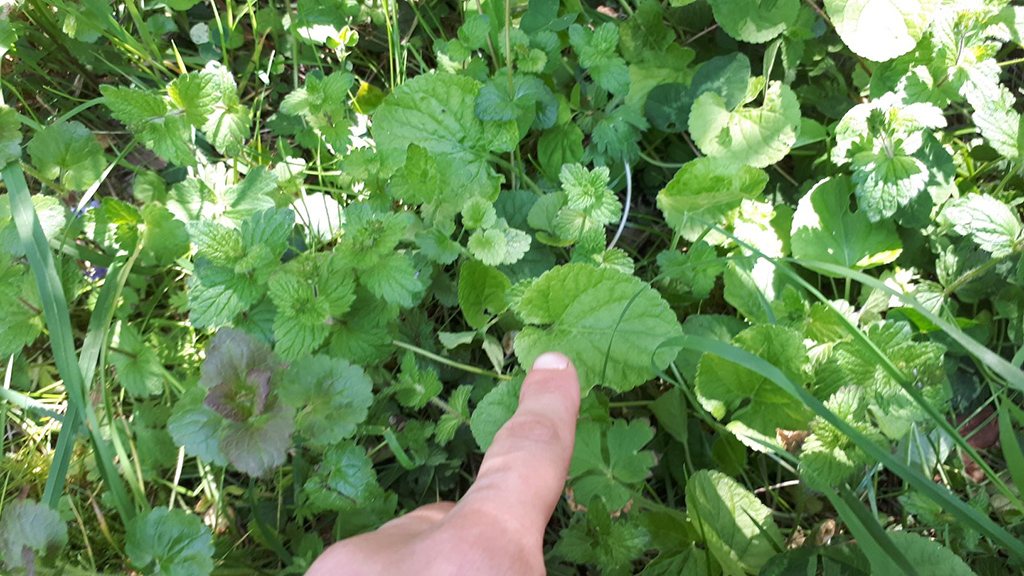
(273, 270)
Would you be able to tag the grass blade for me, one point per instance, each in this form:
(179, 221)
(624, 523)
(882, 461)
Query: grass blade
(937, 492)
(58, 322)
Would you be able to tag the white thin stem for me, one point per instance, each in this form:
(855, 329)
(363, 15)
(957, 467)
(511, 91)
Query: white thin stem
(625, 211)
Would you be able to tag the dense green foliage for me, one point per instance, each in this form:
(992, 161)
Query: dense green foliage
(270, 274)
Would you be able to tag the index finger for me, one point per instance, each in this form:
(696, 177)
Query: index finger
(524, 470)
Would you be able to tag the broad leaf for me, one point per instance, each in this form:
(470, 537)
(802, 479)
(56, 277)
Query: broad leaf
(825, 230)
(756, 137)
(29, 530)
(737, 528)
(610, 324)
(705, 192)
(880, 30)
(755, 21)
(170, 542)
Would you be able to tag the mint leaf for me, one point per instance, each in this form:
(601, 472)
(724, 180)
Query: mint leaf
(754, 21)
(892, 407)
(148, 116)
(436, 111)
(21, 312)
(880, 30)
(232, 266)
(170, 542)
(481, 293)
(825, 230)
(415, 387)
(706, 192)
(344, 480)
(309, 293)
(331, 396)
(890, 149)
(69, 153)
(494, 410)
(989, 223)
(139, 369)
(755, 406)
(611, 544)
(29, 529)
(598, 52)
(500, 245)
(829, 457)
(995, 115)
(196, 94)
(610, 324)
(753, 136)
(213, 196)
(736, 527)
(593, 475)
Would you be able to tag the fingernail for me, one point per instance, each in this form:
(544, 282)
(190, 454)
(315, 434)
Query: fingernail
(551, 361)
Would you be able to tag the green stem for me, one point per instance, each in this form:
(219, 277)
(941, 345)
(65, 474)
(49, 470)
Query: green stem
(448, 362)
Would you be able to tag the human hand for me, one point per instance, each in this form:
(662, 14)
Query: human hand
(498, 527)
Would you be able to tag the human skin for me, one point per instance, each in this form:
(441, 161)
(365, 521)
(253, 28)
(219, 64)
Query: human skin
(497, 529)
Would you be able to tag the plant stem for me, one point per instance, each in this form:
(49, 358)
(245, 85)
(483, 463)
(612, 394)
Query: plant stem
(448, 362)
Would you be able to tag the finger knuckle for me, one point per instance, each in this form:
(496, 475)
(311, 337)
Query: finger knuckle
(532, 428)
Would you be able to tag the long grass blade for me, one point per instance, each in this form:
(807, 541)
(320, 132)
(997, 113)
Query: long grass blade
(58, 322)
(936, 492)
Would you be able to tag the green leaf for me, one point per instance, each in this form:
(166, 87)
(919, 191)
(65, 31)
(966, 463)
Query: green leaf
(829, 457)
(706, 192)
(68, 152)
(309, 293)
(331, 396)
(21, 318)
(609, 323)
(996, 117)
(928, 556)
(10, 135)
(755, 406)
(559, 146)
(344, 480)
(164, 239)
(436, 111)
(755, 21)
(195, 426)
(52, 218)
(989, 223)
(170, 542)
(825, 230)
(894, 410)
(500, 245)
(415, 387)
(260, 444)
(494, 410)
(598, 53)
(394, 279)
(28, 530)
(213, 196)
(139, 369)
(148, 116)
(753, 136)
(481, 293)
(612, 544)
(737, 528)
(196, 94)
(627, 463)
(880, 30)
(694, 272)
(892, 152)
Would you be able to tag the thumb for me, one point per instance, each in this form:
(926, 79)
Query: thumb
(524, 470)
